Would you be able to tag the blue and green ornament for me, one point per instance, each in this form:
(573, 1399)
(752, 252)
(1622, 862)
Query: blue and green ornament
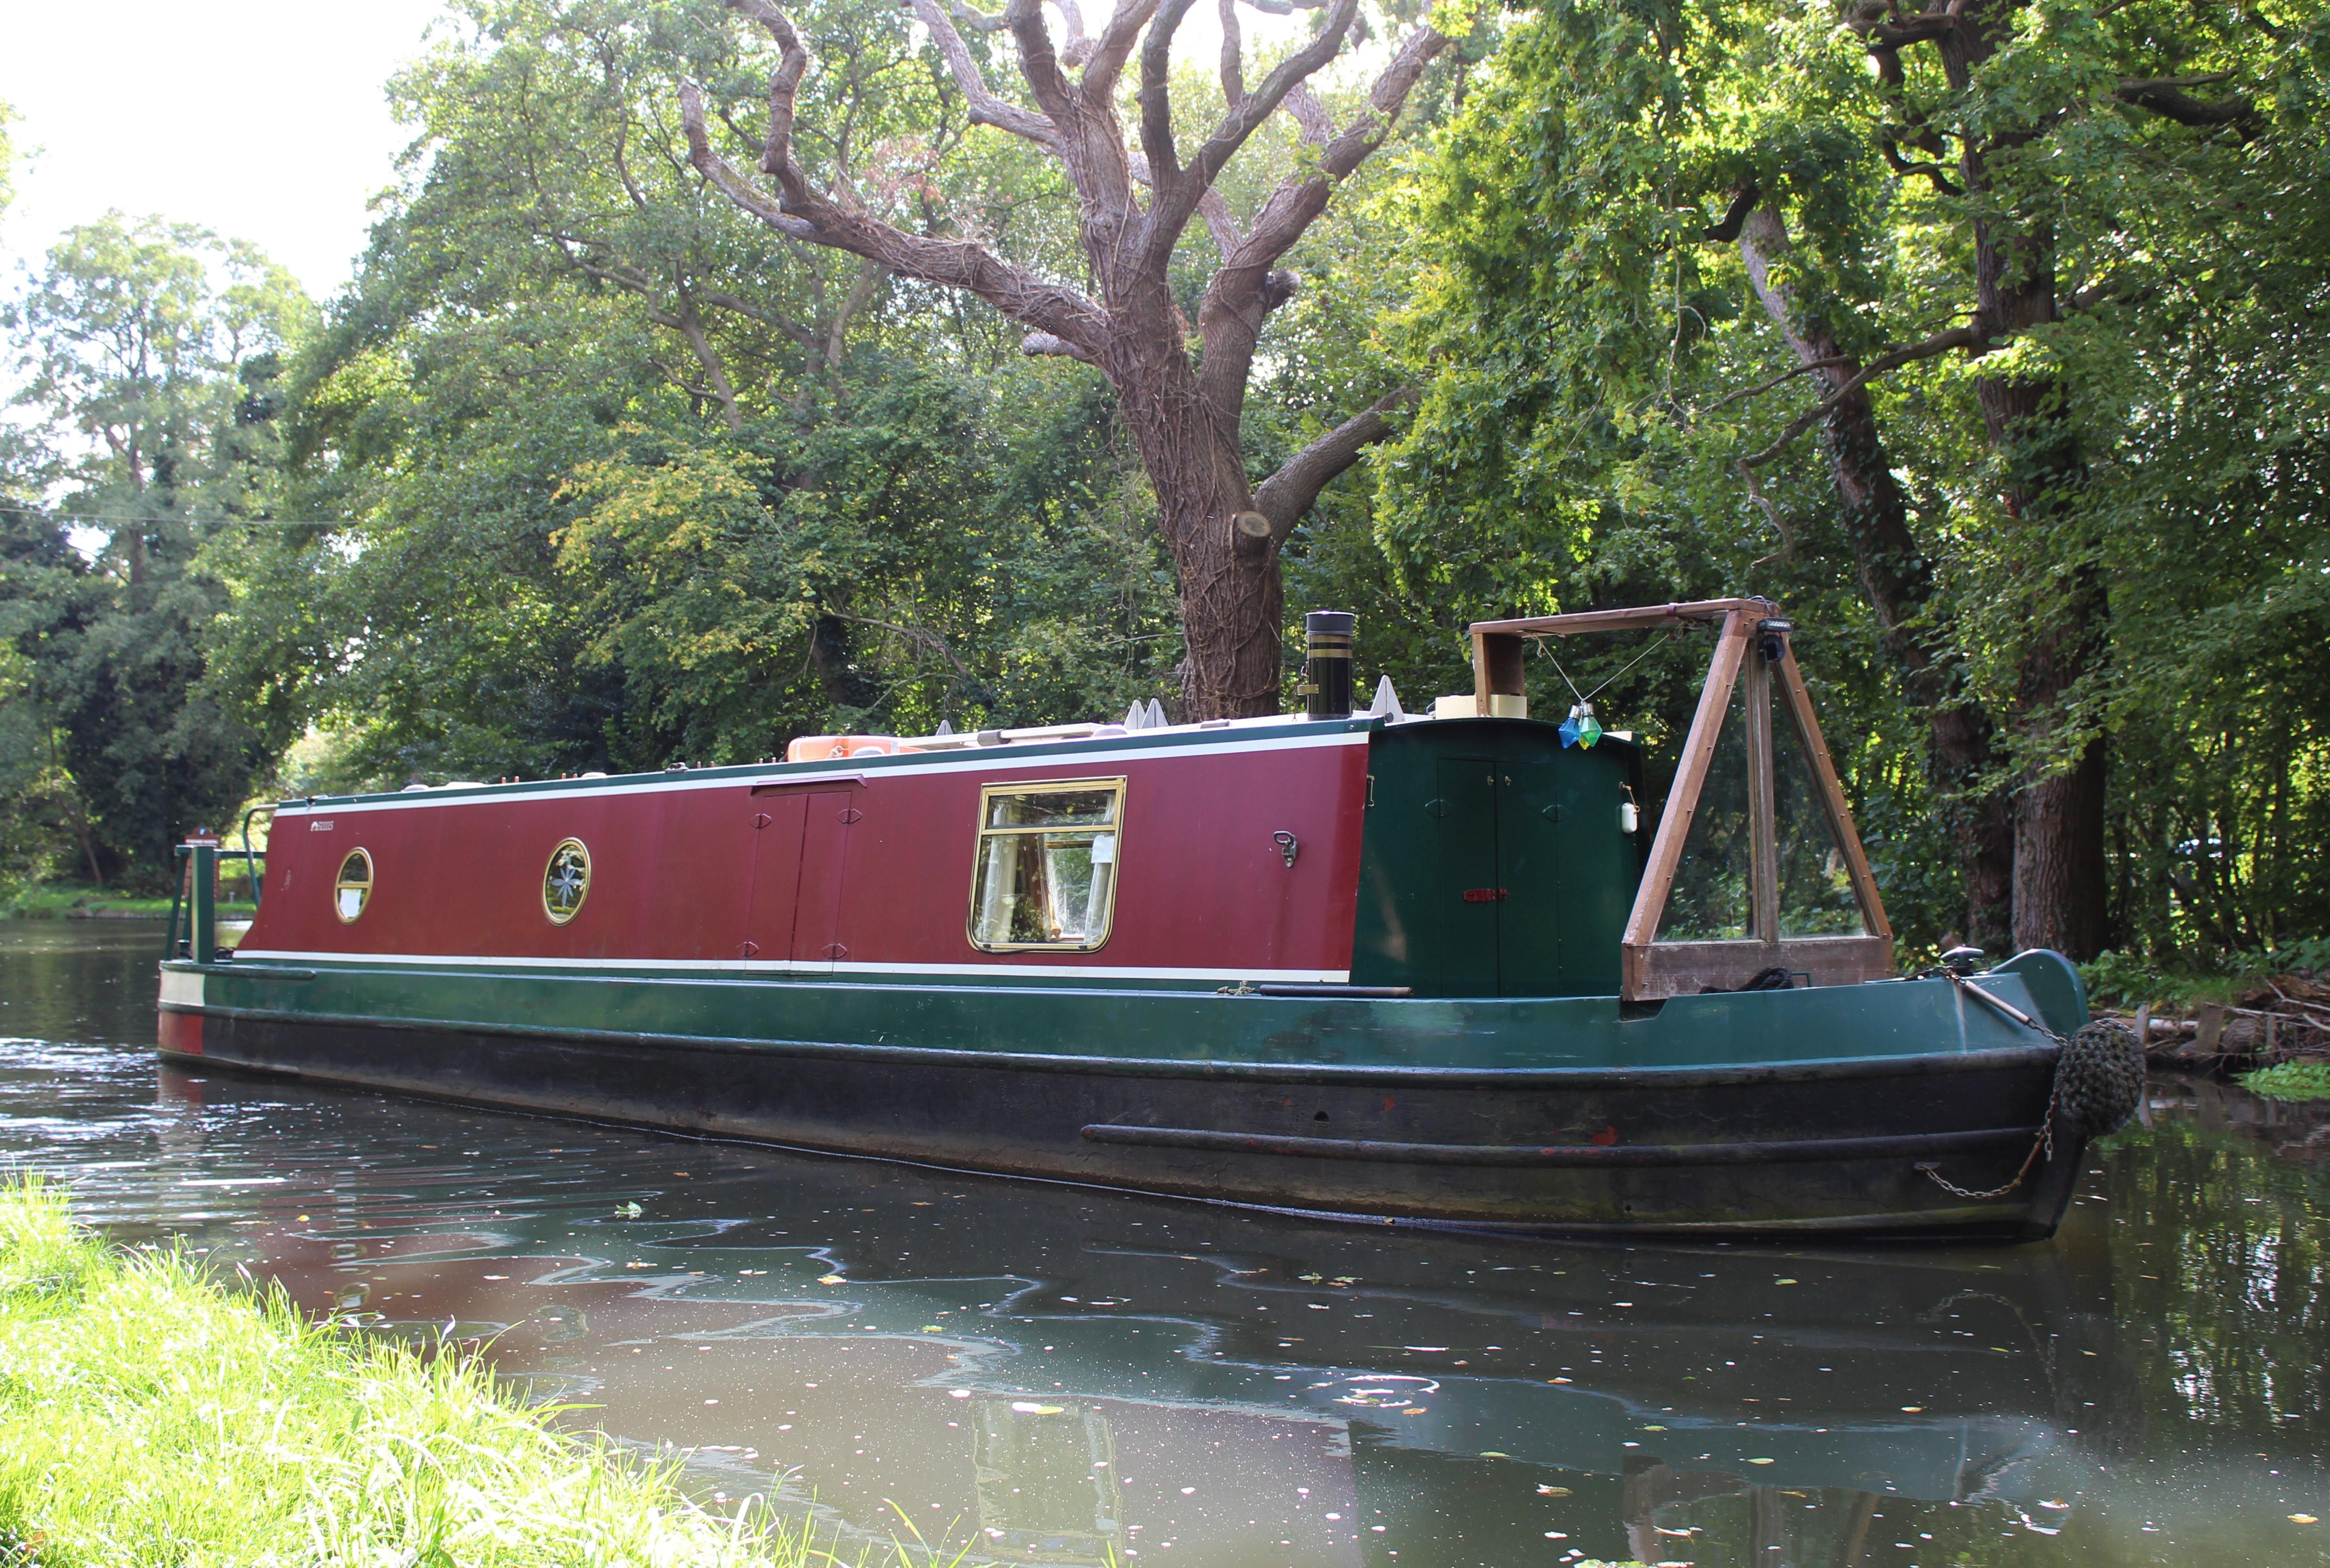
(1581, 729)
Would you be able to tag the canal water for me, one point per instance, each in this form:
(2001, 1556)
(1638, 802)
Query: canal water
(1050, 1374)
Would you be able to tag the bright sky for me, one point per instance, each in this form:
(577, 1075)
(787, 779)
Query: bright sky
(262, 119)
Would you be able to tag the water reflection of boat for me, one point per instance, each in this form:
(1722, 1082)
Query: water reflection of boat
(1326, 1395)
(1435, 968)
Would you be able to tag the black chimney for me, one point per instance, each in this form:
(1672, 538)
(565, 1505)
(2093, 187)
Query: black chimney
(1327, 689)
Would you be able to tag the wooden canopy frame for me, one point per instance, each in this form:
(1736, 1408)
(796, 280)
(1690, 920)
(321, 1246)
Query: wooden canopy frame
(1652, 970)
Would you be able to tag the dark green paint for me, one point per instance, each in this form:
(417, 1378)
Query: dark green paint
(1096, 1025)
(1499, 809)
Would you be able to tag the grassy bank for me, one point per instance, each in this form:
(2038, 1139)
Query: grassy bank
(148, 1417)
(69, 901)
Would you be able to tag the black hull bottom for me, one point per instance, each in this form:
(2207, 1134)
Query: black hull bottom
(1848, 1148)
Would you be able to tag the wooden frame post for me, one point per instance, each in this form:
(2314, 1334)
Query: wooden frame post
(1763, 816)
(1799, 701)
(1683, 802)
(1500, 675)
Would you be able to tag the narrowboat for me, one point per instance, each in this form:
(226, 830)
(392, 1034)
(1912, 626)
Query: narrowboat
(1448, 967)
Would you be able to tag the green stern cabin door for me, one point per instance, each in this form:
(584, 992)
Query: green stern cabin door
(1517, 873)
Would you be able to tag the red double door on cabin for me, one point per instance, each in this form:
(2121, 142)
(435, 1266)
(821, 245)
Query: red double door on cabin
(800, 865)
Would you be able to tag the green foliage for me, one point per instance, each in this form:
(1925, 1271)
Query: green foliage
(630, 479)
(151, 358)
(1594, 351)
(2129, 979)
(2290, 1080)
(148, 1418)
(8, 159)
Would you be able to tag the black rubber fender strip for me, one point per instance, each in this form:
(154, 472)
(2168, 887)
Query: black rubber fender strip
(1582, 1156)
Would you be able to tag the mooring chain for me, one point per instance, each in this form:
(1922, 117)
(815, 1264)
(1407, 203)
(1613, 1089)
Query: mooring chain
(2045, 1142)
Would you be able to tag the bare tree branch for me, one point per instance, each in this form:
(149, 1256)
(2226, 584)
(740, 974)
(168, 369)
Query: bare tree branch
(804, 335)
(976, 21)
(1300, 198)
(2165, 95)
(1889, 144)
(1941, 342)
(1807, 368)
(1038, 65)
(1303, 105)
(1232, 56)
(1743, 202)
(1043, 343)
(1289, 493)
(1114, 48)
(802, 210)
(984, 107)
(1212, 207)
(1156, 103)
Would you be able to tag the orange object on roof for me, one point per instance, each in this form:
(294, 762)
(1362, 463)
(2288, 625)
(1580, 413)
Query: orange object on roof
(834, 748)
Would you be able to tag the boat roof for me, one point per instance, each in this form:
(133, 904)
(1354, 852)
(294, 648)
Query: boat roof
(970, 749)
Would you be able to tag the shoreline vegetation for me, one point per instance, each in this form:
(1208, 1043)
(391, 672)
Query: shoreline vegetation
(148, 1416)
(80, 902)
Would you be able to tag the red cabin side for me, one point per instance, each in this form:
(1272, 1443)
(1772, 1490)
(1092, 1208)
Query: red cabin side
(867, 865)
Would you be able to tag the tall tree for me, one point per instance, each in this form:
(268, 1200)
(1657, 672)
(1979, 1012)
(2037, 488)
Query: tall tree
(150, 352)
(1183, 410)
(1928, 210)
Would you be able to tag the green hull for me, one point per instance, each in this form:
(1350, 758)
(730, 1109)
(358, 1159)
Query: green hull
(1762, 1111)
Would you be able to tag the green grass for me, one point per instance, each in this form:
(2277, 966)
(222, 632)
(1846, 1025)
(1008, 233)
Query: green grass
(2290, 1080)
(69, 901)
(147, 1417)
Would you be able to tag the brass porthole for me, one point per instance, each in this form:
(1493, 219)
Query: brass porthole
(566, 881)
(352, 890)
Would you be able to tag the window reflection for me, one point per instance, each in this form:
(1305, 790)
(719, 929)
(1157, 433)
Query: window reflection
(1046, 868)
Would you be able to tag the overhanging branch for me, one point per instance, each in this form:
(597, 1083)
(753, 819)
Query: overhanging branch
(1291, 492)
(1941, 342)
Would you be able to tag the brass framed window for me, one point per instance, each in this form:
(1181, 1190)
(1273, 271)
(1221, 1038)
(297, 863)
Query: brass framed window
(566, 881)
(352, 889)
(1046, 874)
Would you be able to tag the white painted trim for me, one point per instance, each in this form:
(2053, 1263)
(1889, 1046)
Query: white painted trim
(789, 966)
(182, 987)
(998, 760)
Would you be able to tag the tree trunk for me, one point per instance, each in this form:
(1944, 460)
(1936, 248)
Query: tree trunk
(1897, 579)
(2059, 870)
(2060, 884)
(831, 654)
(1232, 598)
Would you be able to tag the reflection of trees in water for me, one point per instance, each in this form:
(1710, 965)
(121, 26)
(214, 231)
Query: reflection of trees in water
(2227, 1251)
(1047, 1481)
(1713, 1520)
